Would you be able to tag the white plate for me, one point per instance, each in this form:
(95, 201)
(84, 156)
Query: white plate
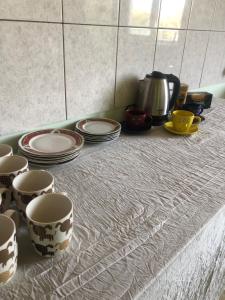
(101, 139)
(97, 142)
(98, 126)
(51, 162)
(50, 158)
(45, 164)
(50, 142)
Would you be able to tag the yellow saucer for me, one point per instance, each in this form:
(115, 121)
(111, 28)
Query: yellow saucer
(169, 127)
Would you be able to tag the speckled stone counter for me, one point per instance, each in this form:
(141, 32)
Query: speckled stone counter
(149, 221)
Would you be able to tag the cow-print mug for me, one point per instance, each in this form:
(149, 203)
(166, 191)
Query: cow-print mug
(10, 167)
(8, 249)
(5, 150)
(29, 185)
(50, 223)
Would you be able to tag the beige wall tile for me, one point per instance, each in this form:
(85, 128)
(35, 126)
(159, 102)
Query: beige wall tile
(219, 16)
(139, 13)
(135, 60)
(194, 56)
(214, 66)
(90, 68)
(201, 14)
(32, 86)
(33, 10)
(103, 12)
(174, 13)
(169, 51)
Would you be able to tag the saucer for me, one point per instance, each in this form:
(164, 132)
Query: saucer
(169, 127)
(128, 129)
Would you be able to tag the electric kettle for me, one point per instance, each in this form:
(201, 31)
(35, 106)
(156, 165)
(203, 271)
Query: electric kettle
(154, 95)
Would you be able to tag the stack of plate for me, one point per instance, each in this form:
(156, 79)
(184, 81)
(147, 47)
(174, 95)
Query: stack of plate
(97, 130)
(50, 147)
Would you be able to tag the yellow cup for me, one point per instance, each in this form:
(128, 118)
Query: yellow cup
(183, 119)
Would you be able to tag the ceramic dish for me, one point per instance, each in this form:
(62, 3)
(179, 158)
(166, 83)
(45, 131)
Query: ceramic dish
(98, 130)
(45, 162)
(5, 150)
(127, 129)
(101, 140)
(169, 127)
(102, 136)
(50, 142)
(50, 159)
(96, 142)
(98, 126)
(49, 164)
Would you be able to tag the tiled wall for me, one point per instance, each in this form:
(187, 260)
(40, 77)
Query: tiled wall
(62, 59)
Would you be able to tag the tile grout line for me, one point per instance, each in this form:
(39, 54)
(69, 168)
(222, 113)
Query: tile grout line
(203, 64)
(108, 25)
(154, 55)
(64, 62)
(207, 46)
(117, 51)
(156, 38)
(182, 56)
(185, 41)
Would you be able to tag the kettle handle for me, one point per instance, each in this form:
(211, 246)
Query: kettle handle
(176, 89)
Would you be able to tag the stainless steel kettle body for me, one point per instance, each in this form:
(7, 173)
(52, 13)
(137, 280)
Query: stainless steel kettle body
(154, 95)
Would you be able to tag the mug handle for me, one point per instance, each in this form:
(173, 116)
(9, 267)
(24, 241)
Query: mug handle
(8, 195)
(202, 108)
(198, 119)
(13, 214)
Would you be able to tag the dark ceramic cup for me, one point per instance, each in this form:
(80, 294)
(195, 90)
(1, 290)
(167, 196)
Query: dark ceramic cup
(195, 108)
(135, 118)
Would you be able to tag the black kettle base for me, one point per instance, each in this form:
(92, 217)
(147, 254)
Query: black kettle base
(159, 120)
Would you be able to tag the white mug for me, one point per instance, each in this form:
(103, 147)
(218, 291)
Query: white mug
(10, 167)
(5, 150)
(50, 223)
(8, 249)
(29, 185)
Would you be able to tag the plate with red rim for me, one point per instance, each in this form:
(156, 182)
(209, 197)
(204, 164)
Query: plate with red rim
(51, 142)
(52, 162)
(98, 126)
(48, 158)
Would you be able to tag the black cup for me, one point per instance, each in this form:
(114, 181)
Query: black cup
(136, 119)
(195, 108)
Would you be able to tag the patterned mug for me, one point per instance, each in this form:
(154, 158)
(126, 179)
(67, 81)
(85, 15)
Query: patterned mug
(8, 247)
(10, 167)
(29, 185)
(5, 150)
(50, 223)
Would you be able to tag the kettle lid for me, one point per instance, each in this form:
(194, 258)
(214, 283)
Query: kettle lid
(156, 74)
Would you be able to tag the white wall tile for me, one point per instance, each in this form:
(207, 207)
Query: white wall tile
(32, 84)
(103, 12)
(214, 67)
(194, 55)
(202, 14)
(174, 13)
(32, 53)
(90, 68)
(140, 13)
(135, 60)
(219, 16)
(33, 10)
(169, 51)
